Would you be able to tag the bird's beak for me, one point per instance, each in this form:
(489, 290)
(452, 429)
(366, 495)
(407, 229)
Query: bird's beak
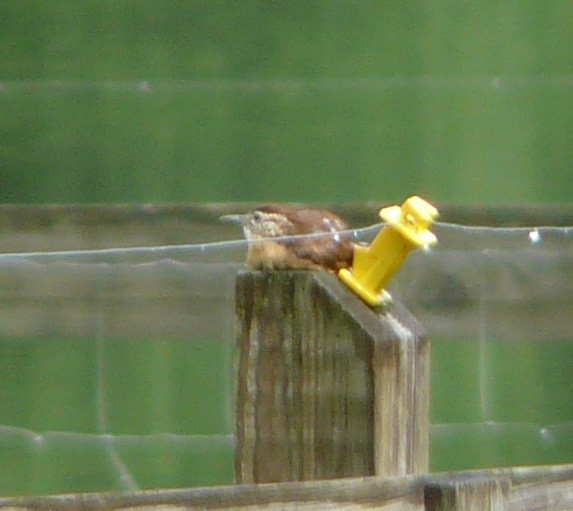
(235, 219)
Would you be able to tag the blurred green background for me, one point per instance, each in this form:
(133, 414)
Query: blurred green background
(147, 101)
(336, 101)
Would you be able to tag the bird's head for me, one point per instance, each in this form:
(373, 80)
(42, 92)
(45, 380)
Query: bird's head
(263, 222)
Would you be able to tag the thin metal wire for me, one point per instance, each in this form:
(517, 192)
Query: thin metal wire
(293, 84)
(529, 236)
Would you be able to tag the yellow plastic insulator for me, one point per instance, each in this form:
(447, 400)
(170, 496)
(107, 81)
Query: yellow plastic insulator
(374, 266)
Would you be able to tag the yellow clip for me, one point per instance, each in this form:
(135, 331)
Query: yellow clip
(374, 266)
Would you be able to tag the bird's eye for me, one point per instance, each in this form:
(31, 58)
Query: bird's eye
(257, 216)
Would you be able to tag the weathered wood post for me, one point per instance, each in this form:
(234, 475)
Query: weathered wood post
(468, 491)
(327, 386)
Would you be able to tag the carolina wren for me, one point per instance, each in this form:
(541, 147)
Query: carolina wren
(309, 253)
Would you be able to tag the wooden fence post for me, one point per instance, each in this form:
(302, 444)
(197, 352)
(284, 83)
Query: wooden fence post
(327, 387)
(466, 492)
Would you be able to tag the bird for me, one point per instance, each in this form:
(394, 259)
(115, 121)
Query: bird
(261, 226)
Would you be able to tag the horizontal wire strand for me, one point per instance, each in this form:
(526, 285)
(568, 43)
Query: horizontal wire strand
(290, 84)
(532, 235)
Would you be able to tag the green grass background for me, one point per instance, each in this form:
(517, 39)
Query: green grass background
(145, 101)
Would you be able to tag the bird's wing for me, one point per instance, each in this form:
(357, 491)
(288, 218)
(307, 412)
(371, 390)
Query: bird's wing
(333, 250)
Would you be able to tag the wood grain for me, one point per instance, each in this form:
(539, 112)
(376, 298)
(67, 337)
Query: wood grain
(328, 387)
